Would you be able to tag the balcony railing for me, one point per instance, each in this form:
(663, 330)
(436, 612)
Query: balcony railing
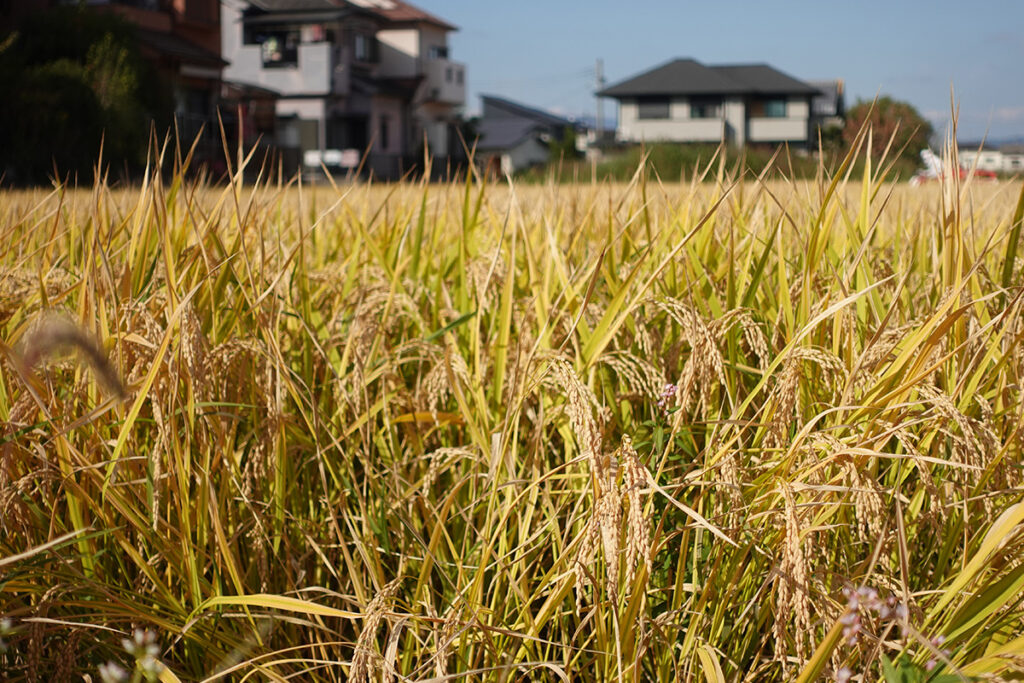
(676, 130)
(306, 71)
(771, 129)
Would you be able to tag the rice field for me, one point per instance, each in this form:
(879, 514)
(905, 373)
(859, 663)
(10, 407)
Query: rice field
(725, 429)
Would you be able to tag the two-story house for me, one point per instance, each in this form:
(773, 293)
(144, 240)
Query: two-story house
(353, 77)
(686, 101)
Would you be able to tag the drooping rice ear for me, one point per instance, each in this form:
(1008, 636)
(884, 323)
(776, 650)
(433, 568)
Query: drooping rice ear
(54, 333)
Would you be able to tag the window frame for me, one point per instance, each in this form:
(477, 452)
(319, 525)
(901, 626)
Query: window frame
(706, 108)
(287, 52)
(654, 108)
(771, 108)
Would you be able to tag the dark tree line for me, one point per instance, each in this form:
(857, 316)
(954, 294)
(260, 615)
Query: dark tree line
(72, 78)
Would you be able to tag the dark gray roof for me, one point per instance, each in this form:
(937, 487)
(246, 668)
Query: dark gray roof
(762, 79)
(504, 133)
(297, 5)
(690, 77)
(504, 123)
(171, 45)
(262, 12)
(394, 11)
(495, 107)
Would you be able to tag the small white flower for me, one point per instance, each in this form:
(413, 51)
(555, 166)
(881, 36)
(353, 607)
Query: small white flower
(112, 672)
(151, 666)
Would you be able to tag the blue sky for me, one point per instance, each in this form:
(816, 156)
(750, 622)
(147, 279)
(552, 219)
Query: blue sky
(543, 53)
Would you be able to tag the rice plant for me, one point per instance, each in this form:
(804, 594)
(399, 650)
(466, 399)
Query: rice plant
(734, 428)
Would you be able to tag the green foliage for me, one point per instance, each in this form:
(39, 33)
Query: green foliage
(74, 78)
(563, 148)
(904, 670)
(674, 161)
(890, 120)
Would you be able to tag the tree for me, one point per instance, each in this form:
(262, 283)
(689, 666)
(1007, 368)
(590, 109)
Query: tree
(73, 77)
(563, 147)
(889, 119)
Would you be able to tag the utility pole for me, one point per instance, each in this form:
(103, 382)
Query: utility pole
(599, 78)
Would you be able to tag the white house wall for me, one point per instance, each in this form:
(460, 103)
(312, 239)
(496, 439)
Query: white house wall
(777, 130)
(312, 76)
(733, 125)
(792, 128)
(304, 108)
(735, 114)
(527, 153)
(318, 88)
(399, 50)
(992, 160)
(680, 129)
(429, 37)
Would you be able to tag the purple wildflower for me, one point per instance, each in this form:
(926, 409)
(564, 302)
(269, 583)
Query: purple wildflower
(666, 395)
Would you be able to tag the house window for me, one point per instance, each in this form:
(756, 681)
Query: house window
(438, 52)
(774, 108)
(705, 108)
(459, 77)
(448, 75)
(365, 48)
(653, 108)
(280, 49)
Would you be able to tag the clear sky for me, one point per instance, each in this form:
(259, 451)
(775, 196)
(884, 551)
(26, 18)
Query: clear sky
(543, 53)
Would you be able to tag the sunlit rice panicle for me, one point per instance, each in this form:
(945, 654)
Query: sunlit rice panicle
(604, 526)
(703, 368)
(366, 658)
(786, 397)
(478, 270)
(635, 477)
(444, 637)
(975, 443)
(608, 517)
(787, 392)
(194, 351)
(833, 372)
(645, 341)
(792, 602)
(440, 457)
(753, 334)
(580, 407)
(868, 503)
(880, 350)
(638, 375)
(731, 472)
(437, 384)
(18, 285)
